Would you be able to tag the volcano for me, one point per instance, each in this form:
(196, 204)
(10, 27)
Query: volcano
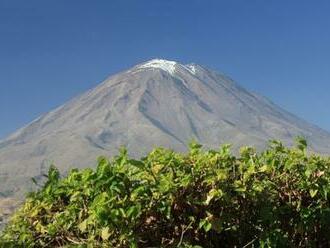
(156, 103)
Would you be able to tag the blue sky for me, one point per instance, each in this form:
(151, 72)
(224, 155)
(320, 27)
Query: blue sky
(52, 50)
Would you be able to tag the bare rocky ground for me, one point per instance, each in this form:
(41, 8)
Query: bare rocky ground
(7, 207)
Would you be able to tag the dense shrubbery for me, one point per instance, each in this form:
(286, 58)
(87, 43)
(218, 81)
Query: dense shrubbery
(278, 198)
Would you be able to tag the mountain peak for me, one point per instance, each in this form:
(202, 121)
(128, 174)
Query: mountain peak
(163, 64)
(168, 66)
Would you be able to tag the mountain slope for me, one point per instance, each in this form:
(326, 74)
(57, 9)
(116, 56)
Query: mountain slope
(155, 103)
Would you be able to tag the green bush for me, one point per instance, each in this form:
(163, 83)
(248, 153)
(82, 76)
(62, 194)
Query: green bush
(278, 198)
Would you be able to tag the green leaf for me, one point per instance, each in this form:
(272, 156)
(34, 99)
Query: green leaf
(301, 143)
(264, 168)
(137, 163)
(103, 167)
(205, 224)
(83, 226)
(207, 227)
(212, 194)
(313, 192)
(133, 211)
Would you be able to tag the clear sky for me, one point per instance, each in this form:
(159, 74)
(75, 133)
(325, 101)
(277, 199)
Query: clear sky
(52, 50)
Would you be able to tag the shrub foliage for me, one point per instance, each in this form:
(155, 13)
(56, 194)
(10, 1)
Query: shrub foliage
(277, 198)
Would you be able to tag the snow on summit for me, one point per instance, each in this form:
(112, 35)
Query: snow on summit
(167, 65)
(191, 68)
(163, 64)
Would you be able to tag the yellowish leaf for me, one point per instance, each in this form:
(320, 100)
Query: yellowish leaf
(105, 234)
